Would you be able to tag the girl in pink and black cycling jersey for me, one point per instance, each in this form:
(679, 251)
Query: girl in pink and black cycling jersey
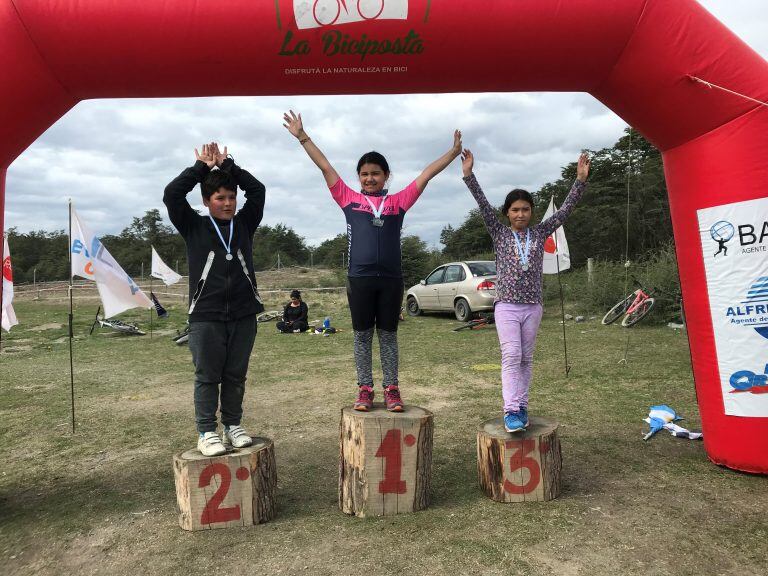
(374, 277)
(519, 259)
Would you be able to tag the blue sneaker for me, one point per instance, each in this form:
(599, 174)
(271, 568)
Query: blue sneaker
(524, 416)
(513, 422)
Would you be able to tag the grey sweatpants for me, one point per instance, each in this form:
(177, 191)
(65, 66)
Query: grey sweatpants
(220, 353)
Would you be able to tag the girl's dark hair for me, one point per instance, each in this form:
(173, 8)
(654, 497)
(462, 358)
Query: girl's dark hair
(514, 196)
(295, 294)
(373, 158)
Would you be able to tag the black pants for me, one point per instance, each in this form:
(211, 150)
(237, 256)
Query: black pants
(220, 352)
(300, 325)
(375, 301)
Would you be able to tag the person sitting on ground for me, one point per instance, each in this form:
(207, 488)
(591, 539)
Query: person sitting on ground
(295, 315)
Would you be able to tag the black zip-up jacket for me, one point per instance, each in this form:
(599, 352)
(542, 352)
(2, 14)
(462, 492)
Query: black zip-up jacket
(229, 291)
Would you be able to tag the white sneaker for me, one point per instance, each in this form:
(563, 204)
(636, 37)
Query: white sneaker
(235, 436)
(210, 444)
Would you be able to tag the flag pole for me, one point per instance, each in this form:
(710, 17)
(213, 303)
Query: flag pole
(71, 361)
(562, 307)
(150, 310)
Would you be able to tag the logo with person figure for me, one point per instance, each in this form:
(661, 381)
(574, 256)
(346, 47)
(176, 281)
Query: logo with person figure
(721, 233)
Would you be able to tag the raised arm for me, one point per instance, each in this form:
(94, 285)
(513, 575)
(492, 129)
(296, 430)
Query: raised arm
(492, 223)
(440, 164)
(580, 184)
(175, 195)
(252, 211)
(295, 126)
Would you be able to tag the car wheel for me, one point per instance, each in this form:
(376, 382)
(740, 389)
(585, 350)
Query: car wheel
(413, 307)
(462, 310)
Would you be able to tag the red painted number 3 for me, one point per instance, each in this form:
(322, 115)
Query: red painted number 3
(391, 450)
(212, 514)
(519, 460)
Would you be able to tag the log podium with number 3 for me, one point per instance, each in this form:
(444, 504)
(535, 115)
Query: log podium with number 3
(385, 461)
(235, 489)
(522, 466)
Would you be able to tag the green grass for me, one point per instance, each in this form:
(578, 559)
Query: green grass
(102, 501)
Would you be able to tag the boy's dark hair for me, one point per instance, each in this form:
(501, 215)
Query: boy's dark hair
(295, 294)
(217, 179)
(514, 196)
(373, 158)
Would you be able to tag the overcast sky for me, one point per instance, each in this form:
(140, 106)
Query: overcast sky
(114, 157)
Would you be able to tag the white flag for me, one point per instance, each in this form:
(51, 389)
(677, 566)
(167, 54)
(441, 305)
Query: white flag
(162, 271)
(92, 261)
(7, 315)
(556, 247)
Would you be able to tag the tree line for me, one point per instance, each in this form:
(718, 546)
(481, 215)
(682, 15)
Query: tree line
(596, 229)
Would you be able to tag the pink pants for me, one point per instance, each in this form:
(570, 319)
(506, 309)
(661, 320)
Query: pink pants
(516, 325)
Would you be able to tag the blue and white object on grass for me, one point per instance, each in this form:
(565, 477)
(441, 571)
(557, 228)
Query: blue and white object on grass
(663, 416)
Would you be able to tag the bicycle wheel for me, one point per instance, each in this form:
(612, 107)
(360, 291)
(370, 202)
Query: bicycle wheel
(267, 316)
(614, 313)
(638, 313)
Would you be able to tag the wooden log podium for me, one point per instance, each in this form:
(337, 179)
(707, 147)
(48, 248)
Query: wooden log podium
(521, 466)
(385, 461)
(235, 489)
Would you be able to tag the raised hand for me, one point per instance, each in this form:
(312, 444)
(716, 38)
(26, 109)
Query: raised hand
(218, 155)
(206, 155)
(456, 142)
(294, 124)
(467, 161)
(582, 168)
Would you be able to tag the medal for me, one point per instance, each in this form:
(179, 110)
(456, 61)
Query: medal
(377, 221)
(523, 255)
(227, 245)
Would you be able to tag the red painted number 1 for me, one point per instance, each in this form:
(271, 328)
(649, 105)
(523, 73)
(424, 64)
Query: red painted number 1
(519, 460)
(391, 450)
(212, 514)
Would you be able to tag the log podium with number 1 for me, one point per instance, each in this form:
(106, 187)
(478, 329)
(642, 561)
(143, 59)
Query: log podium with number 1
(385, 461)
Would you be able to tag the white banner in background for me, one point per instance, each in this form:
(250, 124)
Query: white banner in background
(316, 13)
(7, 314)
(556, 255)
(92, 261)
(734, 242)
(162, 271)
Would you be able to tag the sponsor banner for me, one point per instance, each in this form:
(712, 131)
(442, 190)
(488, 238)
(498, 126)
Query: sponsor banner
(7, 314)
(734, 241)
(318, 13)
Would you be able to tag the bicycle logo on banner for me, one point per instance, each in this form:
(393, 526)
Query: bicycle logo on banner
(319, 13)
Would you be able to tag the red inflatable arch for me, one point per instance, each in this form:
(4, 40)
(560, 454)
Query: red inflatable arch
(635, 56)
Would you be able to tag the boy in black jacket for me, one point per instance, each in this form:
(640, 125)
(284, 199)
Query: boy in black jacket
(223, 297)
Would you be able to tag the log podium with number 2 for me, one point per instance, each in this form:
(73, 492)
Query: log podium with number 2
(235, 489)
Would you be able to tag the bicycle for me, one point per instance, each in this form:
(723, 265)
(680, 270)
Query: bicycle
(339, 5)
(636, 306)
(267, 316)
(485, 319)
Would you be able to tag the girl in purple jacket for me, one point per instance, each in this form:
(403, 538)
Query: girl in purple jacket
(519, 257)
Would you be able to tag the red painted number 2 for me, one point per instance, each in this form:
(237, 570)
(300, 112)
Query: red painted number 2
(391, 450)
(520, 460)
(212, 514)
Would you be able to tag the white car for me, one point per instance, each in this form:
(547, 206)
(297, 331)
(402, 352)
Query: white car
(462, 287)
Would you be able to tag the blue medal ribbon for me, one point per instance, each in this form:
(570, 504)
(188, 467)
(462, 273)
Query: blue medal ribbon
(523, 256)
(226, 245)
